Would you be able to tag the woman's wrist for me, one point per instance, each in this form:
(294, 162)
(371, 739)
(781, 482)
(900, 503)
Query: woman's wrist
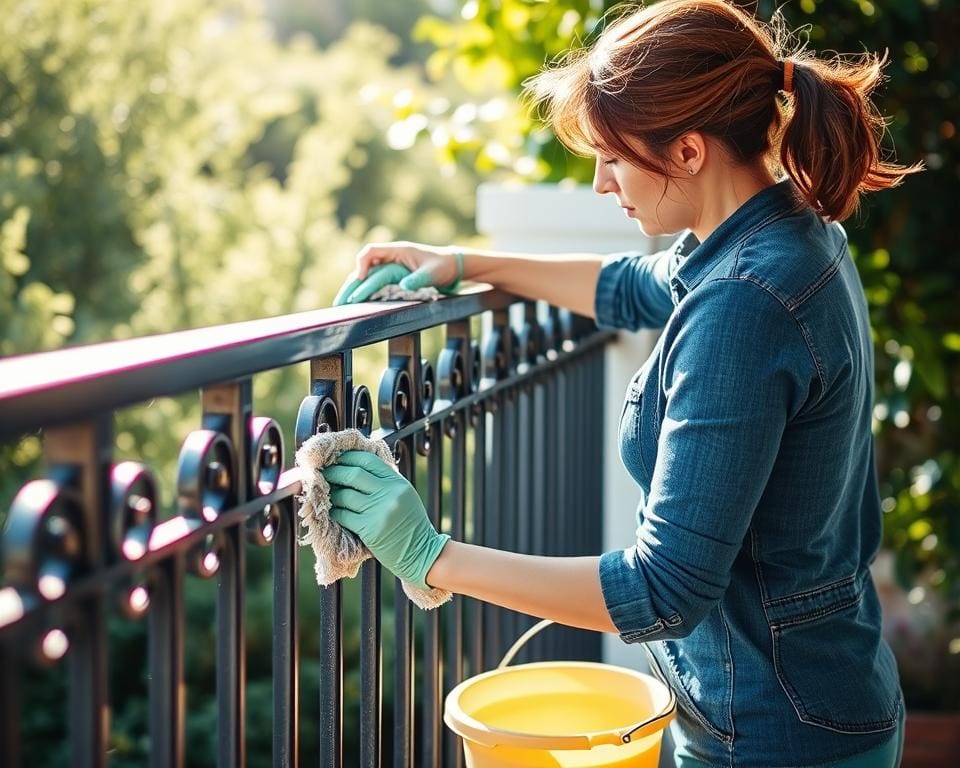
(459, 257)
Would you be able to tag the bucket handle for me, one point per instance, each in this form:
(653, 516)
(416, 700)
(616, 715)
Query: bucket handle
(625, 736)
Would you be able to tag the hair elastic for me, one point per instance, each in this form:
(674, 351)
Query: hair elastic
(787, 66)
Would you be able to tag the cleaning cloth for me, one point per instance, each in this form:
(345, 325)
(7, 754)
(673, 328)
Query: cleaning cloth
(394, 292)
(338, 551)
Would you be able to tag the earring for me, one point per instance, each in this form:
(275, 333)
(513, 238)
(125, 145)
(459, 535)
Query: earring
(690, 171)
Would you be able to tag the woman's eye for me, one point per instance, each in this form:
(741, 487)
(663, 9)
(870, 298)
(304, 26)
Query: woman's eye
(610, 162)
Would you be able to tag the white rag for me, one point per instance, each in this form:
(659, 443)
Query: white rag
(394, 292)
(340, 552)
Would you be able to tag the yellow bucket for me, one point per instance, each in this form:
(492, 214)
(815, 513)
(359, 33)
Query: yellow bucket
(574, 714)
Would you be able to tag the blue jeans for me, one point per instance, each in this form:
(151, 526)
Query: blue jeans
(887, 755)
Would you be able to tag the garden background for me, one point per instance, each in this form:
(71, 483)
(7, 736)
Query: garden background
(179, 164)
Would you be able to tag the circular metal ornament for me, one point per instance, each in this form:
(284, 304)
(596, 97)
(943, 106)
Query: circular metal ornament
(428, 386)
(395, 398)
(495, 363)
(51, 647)
(476, 413)
(43, 544)
(317, 414)
(402, 457)
(266, 455)
(133, 510)
(262, 526)
(452, 424)
(203, 559)
(423, 442)
(134, 600)
(362, 410)
(206, 475)
(453, 375)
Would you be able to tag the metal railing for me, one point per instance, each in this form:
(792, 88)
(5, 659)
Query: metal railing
(524, 397)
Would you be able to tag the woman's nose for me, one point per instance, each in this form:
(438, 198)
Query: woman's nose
(602, 179)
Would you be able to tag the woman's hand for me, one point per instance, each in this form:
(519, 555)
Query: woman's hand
(411, 265)
(378, 504)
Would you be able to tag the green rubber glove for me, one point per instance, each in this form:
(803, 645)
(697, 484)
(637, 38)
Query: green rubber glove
(381, 275)
(377, 503)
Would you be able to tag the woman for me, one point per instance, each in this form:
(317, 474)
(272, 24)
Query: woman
(749, 427)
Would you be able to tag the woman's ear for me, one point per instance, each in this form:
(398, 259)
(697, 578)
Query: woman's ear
(689, 152)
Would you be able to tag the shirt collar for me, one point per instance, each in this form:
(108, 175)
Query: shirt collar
(693, 265)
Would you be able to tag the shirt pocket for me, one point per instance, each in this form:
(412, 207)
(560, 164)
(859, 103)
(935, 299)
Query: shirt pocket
(830, 660)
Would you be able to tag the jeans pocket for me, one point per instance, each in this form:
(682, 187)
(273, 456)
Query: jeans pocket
(836, 669)
(666, 669)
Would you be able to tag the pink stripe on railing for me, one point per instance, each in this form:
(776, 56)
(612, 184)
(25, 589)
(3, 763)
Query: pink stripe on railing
(28, 373)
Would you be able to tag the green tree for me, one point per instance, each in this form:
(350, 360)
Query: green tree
(174, 165)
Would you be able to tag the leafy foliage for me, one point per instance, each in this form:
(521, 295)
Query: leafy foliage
(173, 165)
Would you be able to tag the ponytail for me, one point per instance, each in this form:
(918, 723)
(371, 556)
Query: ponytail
(830, 146)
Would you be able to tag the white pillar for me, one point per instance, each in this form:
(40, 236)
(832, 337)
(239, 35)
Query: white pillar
(548, 218)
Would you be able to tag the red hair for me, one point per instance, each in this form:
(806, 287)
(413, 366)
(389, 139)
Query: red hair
(706, 65)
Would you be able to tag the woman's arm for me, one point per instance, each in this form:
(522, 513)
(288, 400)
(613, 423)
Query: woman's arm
(565, 589)
(565, 280)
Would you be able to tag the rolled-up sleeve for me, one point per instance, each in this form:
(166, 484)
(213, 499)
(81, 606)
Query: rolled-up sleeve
(735, 369)
(633, 291)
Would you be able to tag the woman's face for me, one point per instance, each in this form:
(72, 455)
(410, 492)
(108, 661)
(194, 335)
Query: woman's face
(641, 194)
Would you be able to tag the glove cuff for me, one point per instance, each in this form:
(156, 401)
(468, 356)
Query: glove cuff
(436, 547)
(458, 255)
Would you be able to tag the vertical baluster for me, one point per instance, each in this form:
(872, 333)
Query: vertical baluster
(507, 508)
(10, 704)
(528, 428)
(167, 691)
(371, 650)
(525, 429)
(565, 435)
(595, 535)
(454, 383)
(231, 657)
(88, 685)
(577, 472)
(330, 379)
(492, 533)
(330, 673)
(286, 645)
(403, 707)
(403, 353)
(432, 658)
(581, 479)
(541, 478)
(600, 463)
(574, 472)
(228, 408)
(552, 483)
(517, 510)
(454, 651)
(586, 471)
(478, 608)
(79, 455)
(371, 667)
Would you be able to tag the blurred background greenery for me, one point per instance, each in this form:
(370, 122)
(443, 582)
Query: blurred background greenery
(172, 165)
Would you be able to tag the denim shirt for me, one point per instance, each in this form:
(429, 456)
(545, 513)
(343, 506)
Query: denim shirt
(748, 430)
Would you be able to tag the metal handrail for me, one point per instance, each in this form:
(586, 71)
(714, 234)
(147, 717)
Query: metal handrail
(70, 384)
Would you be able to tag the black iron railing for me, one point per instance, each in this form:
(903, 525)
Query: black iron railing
(525, 398)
